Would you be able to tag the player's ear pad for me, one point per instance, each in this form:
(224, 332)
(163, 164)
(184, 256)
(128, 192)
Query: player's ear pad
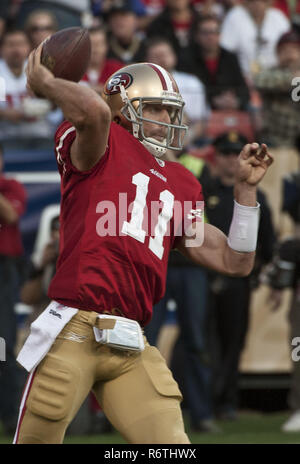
(54, 390)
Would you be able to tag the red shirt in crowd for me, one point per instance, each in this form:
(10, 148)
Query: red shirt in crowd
(284, 6)
(110, 66)
(212, 65)
(113, 257)
(10, 235)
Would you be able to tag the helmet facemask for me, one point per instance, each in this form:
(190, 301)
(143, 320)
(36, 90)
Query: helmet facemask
(176, 130)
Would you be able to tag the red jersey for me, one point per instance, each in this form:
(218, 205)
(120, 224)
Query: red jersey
(118, 224)
(10, 235)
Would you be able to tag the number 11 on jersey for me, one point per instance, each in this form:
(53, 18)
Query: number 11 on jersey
(134, 227)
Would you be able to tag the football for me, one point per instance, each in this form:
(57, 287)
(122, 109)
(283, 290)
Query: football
(67, 53)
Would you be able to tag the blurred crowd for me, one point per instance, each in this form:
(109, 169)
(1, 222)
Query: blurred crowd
(237, 65)
(227, 56)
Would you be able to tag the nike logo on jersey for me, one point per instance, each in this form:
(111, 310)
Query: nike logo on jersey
(160, 162)
(158, 174)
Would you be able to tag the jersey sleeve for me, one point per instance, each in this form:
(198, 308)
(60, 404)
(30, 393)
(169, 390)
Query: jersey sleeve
(64, 137)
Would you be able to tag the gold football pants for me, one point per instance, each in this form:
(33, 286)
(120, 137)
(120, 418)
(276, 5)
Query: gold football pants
(135, 390)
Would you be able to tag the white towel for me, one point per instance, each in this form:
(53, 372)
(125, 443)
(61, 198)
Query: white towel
(43, 332)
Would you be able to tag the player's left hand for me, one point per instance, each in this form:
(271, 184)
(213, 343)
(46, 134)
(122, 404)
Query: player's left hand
(254, 161)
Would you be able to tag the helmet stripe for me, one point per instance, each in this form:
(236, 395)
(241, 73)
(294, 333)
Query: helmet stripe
(165, 78)
(160, 75)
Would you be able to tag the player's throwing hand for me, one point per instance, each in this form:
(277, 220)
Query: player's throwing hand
(37, 74)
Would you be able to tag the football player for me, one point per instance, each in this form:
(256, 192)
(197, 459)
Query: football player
(123, 208)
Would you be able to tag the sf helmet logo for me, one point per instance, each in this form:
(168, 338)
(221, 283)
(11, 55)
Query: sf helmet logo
(113, 85)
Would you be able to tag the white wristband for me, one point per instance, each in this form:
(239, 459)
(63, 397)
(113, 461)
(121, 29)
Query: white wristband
(244, 228)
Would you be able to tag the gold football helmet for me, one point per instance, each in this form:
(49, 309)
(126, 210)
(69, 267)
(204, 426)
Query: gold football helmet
(129, 89)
